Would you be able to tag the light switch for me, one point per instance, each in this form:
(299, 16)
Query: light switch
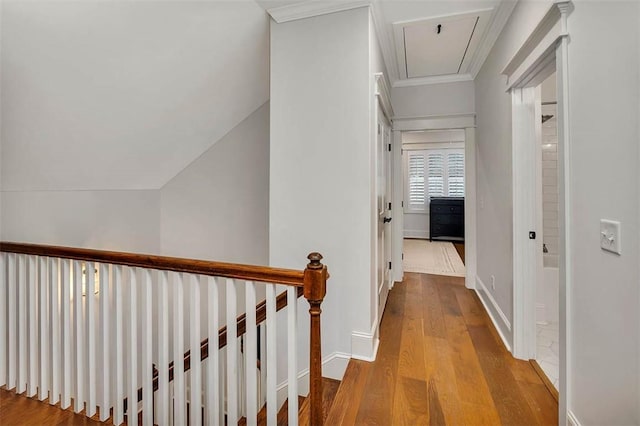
(610, 235)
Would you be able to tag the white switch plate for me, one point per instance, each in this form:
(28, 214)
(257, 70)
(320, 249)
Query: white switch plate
(610, 236)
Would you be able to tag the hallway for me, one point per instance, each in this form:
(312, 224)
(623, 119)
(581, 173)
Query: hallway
(440, 361)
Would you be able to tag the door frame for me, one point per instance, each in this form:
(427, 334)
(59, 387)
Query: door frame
(545, 51)
(464, 122)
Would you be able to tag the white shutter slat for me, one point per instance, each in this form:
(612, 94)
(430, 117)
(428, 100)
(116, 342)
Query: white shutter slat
(416, 178)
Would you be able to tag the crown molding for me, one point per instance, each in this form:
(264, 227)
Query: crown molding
(386, 45)
(497, 22)
(436, 79)
(313, 8)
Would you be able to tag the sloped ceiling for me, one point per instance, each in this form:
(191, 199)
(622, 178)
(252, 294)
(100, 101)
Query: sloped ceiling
(124, 94)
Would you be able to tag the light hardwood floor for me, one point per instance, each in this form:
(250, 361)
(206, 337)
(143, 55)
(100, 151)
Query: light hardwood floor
(440, 361)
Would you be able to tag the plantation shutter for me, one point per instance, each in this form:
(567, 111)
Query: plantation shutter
(416, 179)
(435, 167)
(455, 174)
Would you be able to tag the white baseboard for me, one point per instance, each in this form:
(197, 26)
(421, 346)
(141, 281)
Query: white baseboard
(333, 367)
(413, 233)
(503, 320)
(572, 420)
(364, 346)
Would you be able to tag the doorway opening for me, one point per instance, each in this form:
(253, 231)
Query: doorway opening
(433, 165)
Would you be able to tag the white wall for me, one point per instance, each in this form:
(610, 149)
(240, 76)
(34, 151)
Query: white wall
(218, 207)
(109, 220)
(124, 95)
(604, 303)
(604, 79)
(434, 99)
(320, 171)
(493, 165)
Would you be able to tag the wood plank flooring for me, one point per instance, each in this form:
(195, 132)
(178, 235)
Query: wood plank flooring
(441, 362)
(19, 410)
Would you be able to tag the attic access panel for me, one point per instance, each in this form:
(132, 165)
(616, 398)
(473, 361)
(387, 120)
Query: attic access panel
(437, 46)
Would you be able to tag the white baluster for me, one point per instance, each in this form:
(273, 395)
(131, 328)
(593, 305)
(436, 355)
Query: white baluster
(65, 283)
(251, 354)
(90, 333)
(132, 355)
(32, 297)
(272, 409)
(180, 417)
(147, 348)
(55, 280)
(118, 345)
(45, 326)
(292, 347)
(214, 411)
(11, 302)
(232, 353)
(104, 336)
(195, 415)
(78, 320)
(3, 318)
(162, 401)
(263, 364)
(22, 325)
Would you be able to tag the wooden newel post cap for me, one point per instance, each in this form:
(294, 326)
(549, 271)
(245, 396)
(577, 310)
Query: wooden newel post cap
(314, 260)
(315, 278)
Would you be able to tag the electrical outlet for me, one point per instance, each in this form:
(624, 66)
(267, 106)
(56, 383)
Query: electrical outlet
(493, 282)
(610, 236)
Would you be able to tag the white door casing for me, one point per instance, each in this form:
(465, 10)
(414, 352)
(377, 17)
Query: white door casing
(545, 51)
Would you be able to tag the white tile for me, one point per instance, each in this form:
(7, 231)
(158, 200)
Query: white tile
(555, 348)
(550, 172)
(550, 189)
(549, 164)
(550, 197)
(550, 156)
(543, 341)
(549, 180)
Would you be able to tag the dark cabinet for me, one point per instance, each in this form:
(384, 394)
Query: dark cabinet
(446, 219)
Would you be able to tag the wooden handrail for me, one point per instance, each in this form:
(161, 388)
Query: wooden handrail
(203, 267)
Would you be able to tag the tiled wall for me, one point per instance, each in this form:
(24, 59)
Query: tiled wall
(550, 232)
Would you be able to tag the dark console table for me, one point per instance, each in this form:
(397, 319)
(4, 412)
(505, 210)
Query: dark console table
(446, 219)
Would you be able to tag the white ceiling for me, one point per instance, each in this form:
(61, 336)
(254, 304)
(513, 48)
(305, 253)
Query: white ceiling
(123, 94)
(426, 58)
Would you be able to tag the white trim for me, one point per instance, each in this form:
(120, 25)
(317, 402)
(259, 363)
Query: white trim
(470, 219)
(309, 9)
(505, 321)
(565, 212)
(539, 33)
(572, 420)
(364, 346)
(497, 22)
(435, 79)
(385, 41)
(525, 117)
(541, 313)
(397, 225)
(333, 367)
(383, 94)
(435, 122)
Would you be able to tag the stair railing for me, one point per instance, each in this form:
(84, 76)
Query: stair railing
(90, 325)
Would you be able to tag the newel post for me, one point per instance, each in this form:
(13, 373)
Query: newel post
(315, 288)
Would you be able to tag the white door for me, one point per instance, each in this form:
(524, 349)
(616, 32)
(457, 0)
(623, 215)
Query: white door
(383, 191)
